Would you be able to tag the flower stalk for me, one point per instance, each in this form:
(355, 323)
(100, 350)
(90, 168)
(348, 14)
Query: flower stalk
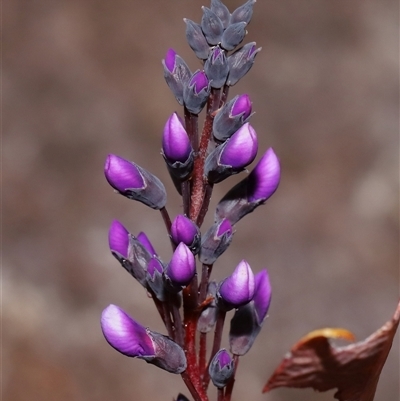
(196, 162)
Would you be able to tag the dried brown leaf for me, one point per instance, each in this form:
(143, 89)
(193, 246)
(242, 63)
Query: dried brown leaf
(354, 369)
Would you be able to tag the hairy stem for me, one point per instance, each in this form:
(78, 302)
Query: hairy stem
(199, 183)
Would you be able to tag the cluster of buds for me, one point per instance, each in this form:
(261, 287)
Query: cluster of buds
(189, 302)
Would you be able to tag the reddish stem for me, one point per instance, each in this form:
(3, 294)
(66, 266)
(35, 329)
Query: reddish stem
(198, 181)
(191, 315)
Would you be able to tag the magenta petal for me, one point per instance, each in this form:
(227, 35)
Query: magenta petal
(118, 238)
(183, 230)
(122, 174)
(238, 288)
(125, 334)
(224, 227)
(241, 148)
(144, 240)
(182, 266)
(170, 60)
(199, 80)
(264, 179)
(175, 141)
(242, 106)
(262, 294)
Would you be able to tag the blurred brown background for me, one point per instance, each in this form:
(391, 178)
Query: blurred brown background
(83, 78)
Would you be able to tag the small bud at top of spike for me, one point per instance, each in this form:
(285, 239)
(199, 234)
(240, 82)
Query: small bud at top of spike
(216, 67)
(233, 35)
(243, 13)
(221, 11)
(211, 26)
(240, 62)
(196, 39)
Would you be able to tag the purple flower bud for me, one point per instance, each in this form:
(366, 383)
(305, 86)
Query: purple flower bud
(221, 368)
(262, 295)
(132, 339)
(182, 267)
(118, 239)
(231, 117)
(129, 252)
(264, 179)
(184, 230)
(176, 74)
(122, 174)
(233, 35)
(243, 13)
(240, 62)
(125, 334)
(199, 81)
(134, 182)
(196, 39)
(241, 148)
(175, 141)
(211, 26)
(196, 93)
(251, 192)
(232, 156)
(247, 321)
(237, 289)
(215, 241)
(221, 11)
(169, 60)
(144, 240)
(241, 106)
(216, 68)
